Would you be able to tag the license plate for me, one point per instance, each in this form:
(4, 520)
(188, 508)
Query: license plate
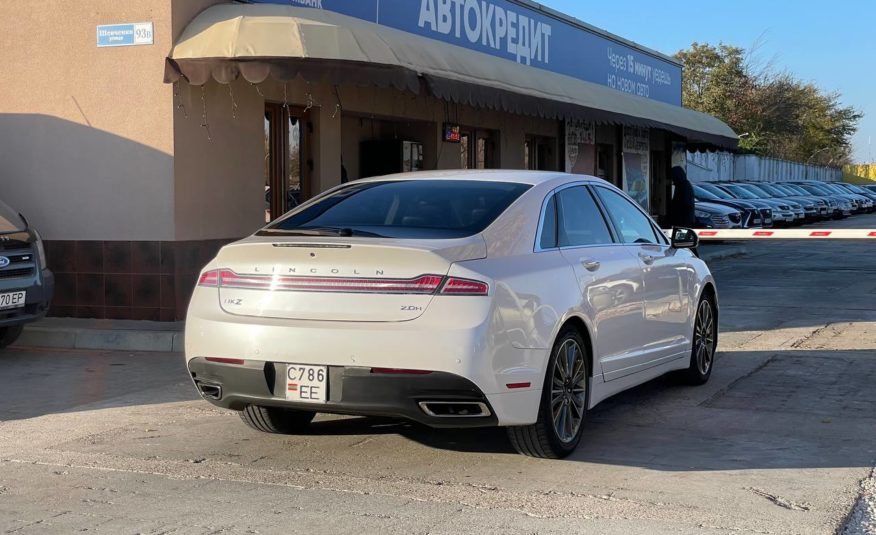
(306, 384)
(12, 300)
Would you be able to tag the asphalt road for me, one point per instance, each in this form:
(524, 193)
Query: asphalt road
(780, 441)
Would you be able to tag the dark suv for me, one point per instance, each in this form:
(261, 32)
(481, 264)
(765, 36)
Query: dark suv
(26, 285)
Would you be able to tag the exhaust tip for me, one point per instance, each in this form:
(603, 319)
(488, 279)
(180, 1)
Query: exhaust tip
(455, 409)
(210, 391)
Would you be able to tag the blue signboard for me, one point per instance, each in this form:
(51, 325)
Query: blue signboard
(518, 33)
(139, 33)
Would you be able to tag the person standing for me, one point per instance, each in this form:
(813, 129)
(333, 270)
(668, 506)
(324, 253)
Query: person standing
(681, 209)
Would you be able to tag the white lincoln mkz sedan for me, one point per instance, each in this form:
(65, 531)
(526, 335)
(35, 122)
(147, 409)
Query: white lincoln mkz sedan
(455, 299)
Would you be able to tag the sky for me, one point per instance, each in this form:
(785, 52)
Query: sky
(832, 44)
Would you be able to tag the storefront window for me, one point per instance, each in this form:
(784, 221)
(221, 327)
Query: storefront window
(465, 151)
(482, 153)
(293, 169)
(477, 149)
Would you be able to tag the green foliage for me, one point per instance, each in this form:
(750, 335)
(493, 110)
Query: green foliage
(776, 114)
(864, 174)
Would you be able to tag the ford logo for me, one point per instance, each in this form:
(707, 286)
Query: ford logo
(4, 262)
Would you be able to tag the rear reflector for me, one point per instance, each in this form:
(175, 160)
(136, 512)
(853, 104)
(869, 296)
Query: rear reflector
(455, 286)
(399, 371)
(221, 360)
(422, 285)
(513, 386)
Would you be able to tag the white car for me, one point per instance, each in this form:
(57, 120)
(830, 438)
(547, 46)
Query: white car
(455, 299)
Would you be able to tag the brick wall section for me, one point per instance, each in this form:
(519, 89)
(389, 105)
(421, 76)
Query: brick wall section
(140, 280)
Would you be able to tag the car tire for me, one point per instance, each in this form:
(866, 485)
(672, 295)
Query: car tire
(276, 420)
(705, 343)
(8, 335)
(543, 439)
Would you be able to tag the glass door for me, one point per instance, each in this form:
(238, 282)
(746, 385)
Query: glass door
(286, 168)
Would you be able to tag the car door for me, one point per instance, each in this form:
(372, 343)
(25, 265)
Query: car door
(609, 277)
(668, 280)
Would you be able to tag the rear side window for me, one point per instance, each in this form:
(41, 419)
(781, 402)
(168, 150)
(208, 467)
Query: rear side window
(548, 238)
(430, 209)
(580, 221)
(630, 222)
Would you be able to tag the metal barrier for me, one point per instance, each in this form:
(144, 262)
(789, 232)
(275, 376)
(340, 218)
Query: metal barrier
(784, 234)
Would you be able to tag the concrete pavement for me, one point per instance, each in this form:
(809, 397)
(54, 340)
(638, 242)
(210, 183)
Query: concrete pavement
(782, 440)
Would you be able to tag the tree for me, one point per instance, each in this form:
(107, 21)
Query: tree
(778, 115)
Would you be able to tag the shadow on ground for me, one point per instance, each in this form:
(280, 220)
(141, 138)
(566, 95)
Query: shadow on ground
(801, 409)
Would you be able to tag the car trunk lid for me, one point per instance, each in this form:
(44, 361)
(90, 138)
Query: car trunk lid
(337, 279)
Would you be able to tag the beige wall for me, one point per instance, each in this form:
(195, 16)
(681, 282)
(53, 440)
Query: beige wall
(86, 133)
(219, 168)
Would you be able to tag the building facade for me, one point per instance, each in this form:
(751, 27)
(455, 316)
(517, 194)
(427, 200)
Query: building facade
(140, 136)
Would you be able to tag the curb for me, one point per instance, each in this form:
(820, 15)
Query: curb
(164, 341)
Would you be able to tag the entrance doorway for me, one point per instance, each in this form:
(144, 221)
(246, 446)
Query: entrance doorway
(540, 153)
(288, 168)
(605, 161)
(477, 149)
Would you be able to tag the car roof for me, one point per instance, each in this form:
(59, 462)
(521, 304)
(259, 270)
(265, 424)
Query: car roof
(489, 175)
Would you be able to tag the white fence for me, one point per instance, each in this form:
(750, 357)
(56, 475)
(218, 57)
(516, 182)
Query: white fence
(714, 166)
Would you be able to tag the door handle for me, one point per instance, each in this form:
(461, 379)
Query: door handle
(590, 264)
(647, 259)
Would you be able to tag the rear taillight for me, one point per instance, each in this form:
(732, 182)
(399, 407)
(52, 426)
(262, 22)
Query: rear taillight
(423, 285)
(209, 278)
(454, 286)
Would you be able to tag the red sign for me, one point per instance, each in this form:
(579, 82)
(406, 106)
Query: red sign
(452, 133)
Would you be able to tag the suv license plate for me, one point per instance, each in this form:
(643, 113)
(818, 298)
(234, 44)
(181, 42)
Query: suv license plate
(306, 384)
(12, 300)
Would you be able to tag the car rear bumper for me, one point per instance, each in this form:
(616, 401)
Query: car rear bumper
(447, 339)
(351, 390)
(40, 290)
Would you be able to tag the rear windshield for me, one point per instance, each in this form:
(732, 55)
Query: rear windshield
(9, 220)
(431, 209)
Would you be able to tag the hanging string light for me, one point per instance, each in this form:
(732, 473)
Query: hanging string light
(338, 107)
(178, 98)
(204, 123)
(309, 98)
(233, 103)
(258, 89)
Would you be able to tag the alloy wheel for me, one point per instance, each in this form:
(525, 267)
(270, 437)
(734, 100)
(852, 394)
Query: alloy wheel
(704, 337)
(568, 390)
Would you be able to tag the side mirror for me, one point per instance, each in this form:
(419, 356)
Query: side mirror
(684, 238)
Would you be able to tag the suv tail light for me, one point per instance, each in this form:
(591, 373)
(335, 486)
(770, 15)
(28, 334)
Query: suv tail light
(424, 284)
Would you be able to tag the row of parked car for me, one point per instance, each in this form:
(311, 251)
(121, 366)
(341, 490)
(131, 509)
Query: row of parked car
(739, 204)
